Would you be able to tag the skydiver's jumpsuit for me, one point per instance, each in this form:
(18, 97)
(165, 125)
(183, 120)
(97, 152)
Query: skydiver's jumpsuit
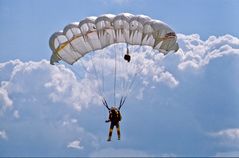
(114, 118)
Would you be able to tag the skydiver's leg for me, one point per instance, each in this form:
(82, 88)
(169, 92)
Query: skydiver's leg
(118, 130)
(110, 131)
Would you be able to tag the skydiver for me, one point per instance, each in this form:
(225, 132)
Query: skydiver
(114, 117)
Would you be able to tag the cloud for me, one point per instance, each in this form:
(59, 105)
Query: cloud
(75, 145)
(3, 135)
(53, 83)
(45, 100)
(228, 137)
(196, 53)
(228, 133)
(5, 101)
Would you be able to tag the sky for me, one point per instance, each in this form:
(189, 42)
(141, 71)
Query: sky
(183, 104)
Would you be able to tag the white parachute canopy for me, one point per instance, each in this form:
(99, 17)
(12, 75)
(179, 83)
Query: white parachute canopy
(94, 33)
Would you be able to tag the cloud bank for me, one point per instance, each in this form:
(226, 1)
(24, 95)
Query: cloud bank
(60, 84)
(54, 103)
(51, 83)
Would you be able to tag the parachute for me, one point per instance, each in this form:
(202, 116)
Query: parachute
(96, 33)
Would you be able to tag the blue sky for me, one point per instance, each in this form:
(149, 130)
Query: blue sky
(31, 20)
(191, 109)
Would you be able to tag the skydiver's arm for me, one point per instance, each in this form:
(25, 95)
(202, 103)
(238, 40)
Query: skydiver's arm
(110, 116)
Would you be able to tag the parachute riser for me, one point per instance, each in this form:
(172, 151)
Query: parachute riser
(105, 103)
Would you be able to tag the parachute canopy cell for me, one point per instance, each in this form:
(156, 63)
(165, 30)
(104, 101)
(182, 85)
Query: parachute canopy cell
(94, 33)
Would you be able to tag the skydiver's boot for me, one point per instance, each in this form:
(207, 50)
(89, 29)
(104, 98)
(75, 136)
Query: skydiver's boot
(109, 139)
(118, 133)
(110, 135)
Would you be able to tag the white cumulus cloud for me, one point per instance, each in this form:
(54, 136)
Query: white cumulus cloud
(34, 81)
(75, 145)
(228, 133)
(228, 137)
(196, 53)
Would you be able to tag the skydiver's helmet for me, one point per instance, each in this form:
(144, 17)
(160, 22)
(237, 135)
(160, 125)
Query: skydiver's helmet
(113, 108)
